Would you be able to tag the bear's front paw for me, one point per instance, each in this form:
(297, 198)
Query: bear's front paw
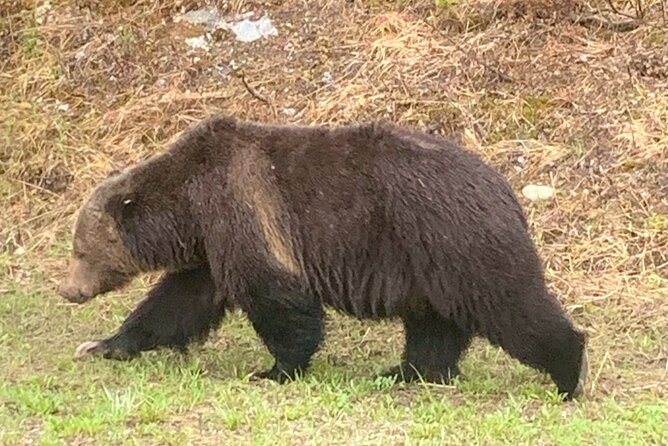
(102, 348)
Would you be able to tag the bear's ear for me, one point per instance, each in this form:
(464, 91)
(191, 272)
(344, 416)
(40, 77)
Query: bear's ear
(224, 123)
(114, 172)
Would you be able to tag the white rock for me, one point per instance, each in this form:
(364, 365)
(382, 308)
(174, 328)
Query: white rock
(251, 30)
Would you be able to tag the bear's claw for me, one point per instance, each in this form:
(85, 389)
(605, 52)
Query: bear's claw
(107, 348)
(407, 373)
(277, 374)
(582, 378)
(88, 348)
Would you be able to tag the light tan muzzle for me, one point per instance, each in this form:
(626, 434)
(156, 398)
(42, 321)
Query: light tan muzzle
(81, 284)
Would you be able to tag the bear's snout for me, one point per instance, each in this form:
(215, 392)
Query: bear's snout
(73, 293)
(78, 286)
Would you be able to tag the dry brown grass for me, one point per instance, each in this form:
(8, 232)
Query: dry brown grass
(544, 97)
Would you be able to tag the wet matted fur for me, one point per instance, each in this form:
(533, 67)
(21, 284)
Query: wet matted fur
(374, 220)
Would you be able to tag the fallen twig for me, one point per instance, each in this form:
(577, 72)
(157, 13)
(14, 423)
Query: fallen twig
(250, 89)
(606, 22)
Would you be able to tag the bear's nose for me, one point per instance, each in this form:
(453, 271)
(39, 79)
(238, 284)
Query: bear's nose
(71, 293)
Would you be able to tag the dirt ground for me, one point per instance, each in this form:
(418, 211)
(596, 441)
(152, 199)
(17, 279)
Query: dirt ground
(568, 94)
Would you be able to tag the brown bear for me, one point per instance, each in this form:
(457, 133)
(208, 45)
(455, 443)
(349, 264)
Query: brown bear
(373, 220)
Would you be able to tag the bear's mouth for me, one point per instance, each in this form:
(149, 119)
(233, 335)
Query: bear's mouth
(85, 281)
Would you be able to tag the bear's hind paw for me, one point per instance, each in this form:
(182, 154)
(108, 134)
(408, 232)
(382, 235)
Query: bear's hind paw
(399, 374)
(407, 373)
(278, 374)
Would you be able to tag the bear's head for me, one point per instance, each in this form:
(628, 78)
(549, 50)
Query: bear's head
(130, 224)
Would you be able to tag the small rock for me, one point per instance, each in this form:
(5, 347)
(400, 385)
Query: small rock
(327, 78)
(536, 192)
(41, 12)
(199, 42)
(209, 16)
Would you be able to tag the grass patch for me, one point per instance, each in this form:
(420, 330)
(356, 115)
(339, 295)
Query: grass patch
(446, 4)
(174, 399)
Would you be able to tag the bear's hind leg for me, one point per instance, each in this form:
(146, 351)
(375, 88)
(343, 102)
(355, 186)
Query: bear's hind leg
(538, 334)
(178, 310)
(433, 348)
(290, 323)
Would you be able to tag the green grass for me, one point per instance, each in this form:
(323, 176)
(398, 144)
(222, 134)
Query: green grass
(446, 3)
(206, 397)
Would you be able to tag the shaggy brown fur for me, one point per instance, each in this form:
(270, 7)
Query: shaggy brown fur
(373, 220)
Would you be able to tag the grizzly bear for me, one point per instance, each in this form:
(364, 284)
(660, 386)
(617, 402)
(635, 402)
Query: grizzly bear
(278, 221)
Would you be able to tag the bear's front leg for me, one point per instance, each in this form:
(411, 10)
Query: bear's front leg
(290, 323)
(179, 309)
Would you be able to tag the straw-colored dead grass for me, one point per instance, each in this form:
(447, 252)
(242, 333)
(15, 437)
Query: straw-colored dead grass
(544, 97)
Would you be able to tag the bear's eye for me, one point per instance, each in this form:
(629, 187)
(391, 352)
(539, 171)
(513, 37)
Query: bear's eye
(122, 207)
(128, 207)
